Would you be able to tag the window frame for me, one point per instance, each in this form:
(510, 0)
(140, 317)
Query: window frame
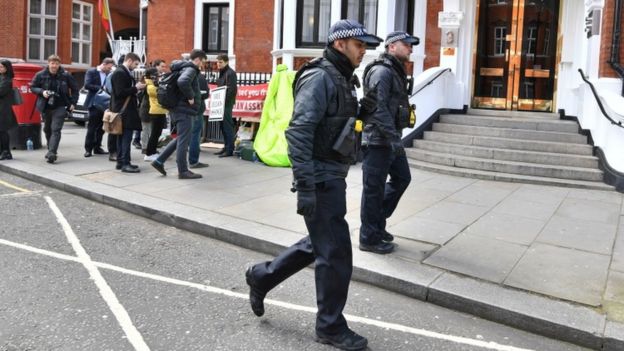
(499, 41)
(42, 37)
(360, 19)
(411, 6)
(221, 46)
(82, 41)
(316, 42)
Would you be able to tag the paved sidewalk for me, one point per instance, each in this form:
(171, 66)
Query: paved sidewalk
(544, 259)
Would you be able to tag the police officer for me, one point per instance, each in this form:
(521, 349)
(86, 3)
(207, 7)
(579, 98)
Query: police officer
(386, 79)
(325, 105)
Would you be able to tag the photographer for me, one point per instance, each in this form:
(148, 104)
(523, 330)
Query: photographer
(57, 93)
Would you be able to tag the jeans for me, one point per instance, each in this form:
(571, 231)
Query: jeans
(196, 133)
(329, 247)
(227, 127)
(181, 143)
(54, 120)
(124, 142)
(158, 123)
(380, 198)
(93, 139)
(146, 130)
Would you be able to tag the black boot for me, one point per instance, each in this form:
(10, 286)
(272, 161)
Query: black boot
(6, 155)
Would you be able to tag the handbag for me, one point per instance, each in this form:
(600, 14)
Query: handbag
(101, 100)
(17, 97)
(112, 123)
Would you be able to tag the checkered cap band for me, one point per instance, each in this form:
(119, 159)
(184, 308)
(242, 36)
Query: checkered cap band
(346, 33)
(397, 37)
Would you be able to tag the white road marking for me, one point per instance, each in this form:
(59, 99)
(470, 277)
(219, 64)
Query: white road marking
(134, 337)
(214, 290)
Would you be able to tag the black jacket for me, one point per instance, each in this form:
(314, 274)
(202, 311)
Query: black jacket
(316, 98)
(123, 87)
(188, 83)
(387, 75)
(227, 77)
(7, 117)
(67, 87)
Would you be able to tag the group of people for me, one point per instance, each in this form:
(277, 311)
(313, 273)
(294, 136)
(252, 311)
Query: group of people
(143, 118)
(325, 106)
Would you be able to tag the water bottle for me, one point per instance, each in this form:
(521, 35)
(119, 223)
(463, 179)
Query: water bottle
(29, 145)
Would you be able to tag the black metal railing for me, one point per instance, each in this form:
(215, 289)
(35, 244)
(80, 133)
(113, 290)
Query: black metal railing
(595, 93)
(431, 81)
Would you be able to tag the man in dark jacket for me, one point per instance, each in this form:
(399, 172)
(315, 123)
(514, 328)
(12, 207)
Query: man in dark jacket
(227, 77)
(125, 90)
(183, 113)
(325, 104)
(57, 93)
(198, 126)
(94, 80)
(381, 142)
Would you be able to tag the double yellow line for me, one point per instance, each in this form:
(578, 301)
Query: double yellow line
(14, 187)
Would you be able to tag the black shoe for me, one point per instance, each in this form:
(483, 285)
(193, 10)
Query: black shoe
(382, 248)
(133, 166)
(256, 296)
(220, 152)
(137, 145)
(88, 154)
(198, 165)
(118, 166)
(159, 167)
(387, 237)
(100, 151)
(50, 157)
(6, 156)
(189, 175)
(112, 157)
(347, 340)
(128, 169)
(226, 154)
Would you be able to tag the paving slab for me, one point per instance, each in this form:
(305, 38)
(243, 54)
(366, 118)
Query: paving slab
(579, 234)
(506, 227)
(426, 230)
(453, 212)
(520, 207)
(563, 273)
(483, 193)
(480, 257)
(617, 262)
(539, 193)
(596, 195)
(590, 210)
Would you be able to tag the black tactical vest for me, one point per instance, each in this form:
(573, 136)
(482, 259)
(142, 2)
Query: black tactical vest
(330, 127)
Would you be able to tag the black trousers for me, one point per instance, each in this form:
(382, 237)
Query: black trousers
(329, 247)
(158, 124)
(93, 139)
(5, 141)
(380, 198)
(112, 144)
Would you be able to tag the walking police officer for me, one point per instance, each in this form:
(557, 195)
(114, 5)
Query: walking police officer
(381, 142)
(325, 107)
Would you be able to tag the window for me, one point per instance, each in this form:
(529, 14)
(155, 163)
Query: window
(497, 89)
(313, 22)
(42, 26)
(529, 90)
(531, 40)
(404, 16)
(546, 42)
(82, 14)
(499, 40)
(216, 28)
(363, 11)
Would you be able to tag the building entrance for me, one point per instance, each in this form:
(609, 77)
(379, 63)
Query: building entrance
(516, 54)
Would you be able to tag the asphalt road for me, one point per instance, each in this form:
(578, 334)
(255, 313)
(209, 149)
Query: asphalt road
(78, 275)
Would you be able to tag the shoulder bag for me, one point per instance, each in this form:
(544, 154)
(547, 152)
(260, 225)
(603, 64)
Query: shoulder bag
(112, 120)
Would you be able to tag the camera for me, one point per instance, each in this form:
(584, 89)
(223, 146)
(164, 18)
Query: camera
(52, 95)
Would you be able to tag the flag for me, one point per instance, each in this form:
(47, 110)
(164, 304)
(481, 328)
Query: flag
(104, 12)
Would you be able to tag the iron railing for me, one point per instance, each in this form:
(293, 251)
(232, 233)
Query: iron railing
(595, 93)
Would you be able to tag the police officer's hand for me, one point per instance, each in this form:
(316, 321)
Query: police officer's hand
(397, 148)
(368, 103)
(306, 202)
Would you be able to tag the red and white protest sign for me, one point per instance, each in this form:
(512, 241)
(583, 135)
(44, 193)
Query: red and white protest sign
(249, 101)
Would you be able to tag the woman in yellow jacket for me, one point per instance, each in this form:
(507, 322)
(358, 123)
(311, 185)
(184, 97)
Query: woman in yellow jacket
(158, 114)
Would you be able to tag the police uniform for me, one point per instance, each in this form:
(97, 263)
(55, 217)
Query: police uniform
(325, 102)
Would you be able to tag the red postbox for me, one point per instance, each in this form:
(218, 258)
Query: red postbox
(28, 118)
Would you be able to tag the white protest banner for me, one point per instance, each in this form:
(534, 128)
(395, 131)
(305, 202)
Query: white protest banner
(216, 105)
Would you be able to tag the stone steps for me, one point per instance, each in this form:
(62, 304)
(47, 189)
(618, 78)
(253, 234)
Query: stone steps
(529, 147)
(508, 154)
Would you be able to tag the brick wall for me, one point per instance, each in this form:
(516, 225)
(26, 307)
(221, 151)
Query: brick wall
(13, 29)
(432, 42)
(253, 32)
(170, 29)
(606, 36)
